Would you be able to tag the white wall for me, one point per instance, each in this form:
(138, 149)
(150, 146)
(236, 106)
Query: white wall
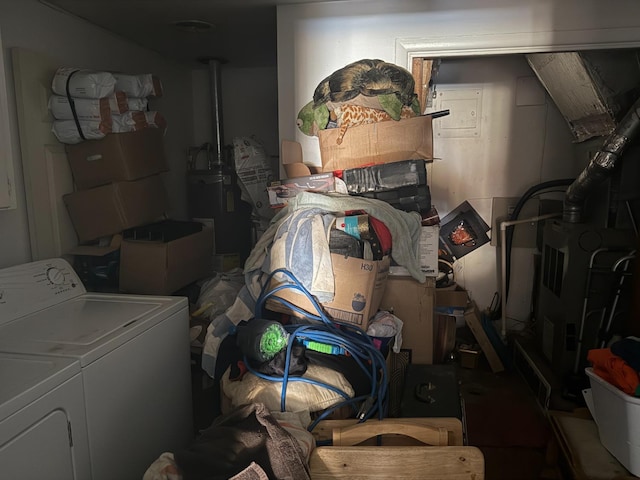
(31, 25)
(315, 40)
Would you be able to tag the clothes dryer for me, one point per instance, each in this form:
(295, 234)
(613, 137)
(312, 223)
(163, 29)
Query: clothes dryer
(43, 430)
(133, 353)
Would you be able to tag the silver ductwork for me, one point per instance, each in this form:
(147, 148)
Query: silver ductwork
(601, 165)
(215, 90)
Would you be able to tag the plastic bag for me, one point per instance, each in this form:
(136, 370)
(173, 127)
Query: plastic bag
(254, 175)
(140, 85)
(218, 293)
(83, 83)
(385, 325)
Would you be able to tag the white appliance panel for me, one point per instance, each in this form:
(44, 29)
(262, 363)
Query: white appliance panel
(133, 354)
(43, 430)
(146, 385)
(25, 378)
(34, 286)
(87, 326)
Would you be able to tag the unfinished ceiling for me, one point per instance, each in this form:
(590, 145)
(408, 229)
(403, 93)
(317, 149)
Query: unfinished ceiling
(242, 32)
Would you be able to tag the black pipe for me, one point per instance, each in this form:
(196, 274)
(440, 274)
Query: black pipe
(601, 165)
(514, 216)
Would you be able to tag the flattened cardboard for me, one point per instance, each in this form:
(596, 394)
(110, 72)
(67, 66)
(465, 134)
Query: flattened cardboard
(412, 302)
(382, 142)
(117, 157)
(110, 209)
(161, 268)
(359, 287)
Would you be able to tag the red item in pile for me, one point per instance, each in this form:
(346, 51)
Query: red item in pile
(614, 370)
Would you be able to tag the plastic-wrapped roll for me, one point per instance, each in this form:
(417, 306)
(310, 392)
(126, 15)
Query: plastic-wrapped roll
(156, 120)
(140, 85)
(129, 122)
(119, 103)
(83, 83)
(86, 108)
(66, 131)
(134, 103)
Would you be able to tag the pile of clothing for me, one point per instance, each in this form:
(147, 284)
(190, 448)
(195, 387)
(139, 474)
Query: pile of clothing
(619, 364)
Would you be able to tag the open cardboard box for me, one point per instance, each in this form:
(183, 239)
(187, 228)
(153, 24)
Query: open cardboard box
(382, 142)
(162, 264)
(359, 286)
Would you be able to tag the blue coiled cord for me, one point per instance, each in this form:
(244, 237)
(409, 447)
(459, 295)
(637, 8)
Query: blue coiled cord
(352, 338)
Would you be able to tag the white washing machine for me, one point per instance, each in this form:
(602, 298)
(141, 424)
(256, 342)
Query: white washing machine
(133, 353)
(43, 428)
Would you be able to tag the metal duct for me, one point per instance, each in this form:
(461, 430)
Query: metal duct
(601, 165)
(216, 107)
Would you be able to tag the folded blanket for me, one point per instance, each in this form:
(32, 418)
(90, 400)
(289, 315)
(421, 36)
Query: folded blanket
(247, 441)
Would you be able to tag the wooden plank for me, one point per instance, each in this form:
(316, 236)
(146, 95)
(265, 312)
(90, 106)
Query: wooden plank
(421, 72)
(472, 317)
(419, 463)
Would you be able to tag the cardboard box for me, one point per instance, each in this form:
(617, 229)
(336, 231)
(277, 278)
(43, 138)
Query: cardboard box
(412, 302)
(292, 161)
(117, 157)
(427, 253)
(110, 209)
(381, 142)
(359, 286)
(159, 267)
(469, 356)
(456, 297)
(282, 190)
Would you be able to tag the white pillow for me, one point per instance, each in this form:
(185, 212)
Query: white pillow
(300, 395)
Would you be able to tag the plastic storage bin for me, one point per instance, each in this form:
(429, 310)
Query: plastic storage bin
(618, 417)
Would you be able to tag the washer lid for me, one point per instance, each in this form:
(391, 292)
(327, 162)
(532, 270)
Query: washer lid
(25, 378)
(88, 326)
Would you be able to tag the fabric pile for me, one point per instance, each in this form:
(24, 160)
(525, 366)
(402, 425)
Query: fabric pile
(619, 365)
(300, 226)
(249, 443)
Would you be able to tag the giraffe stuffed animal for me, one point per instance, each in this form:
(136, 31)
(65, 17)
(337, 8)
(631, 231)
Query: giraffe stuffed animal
(347, 116)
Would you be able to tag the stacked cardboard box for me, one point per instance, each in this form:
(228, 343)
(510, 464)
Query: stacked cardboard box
(119, 188)
(406, 144)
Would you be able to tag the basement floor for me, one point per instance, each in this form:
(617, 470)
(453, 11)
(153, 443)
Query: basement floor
(503, 419)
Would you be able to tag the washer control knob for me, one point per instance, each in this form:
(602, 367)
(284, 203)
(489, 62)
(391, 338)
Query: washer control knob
(55, 276)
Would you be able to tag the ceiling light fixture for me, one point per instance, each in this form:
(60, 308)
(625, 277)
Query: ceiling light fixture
(192, 26)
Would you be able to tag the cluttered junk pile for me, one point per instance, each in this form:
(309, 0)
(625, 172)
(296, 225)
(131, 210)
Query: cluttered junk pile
(303, 340)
